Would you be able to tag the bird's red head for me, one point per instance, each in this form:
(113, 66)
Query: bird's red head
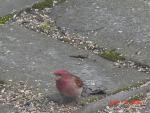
(61, 73)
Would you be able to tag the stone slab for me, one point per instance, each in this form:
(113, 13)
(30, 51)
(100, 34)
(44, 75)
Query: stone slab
(7, 6)
(115, 24)
(27, 55)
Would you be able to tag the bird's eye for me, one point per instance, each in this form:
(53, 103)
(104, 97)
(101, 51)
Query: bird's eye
(58, 74)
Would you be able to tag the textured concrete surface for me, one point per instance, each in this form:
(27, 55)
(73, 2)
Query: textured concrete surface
(119, 24)
(123, 25)
(26, 55)
(7, 6)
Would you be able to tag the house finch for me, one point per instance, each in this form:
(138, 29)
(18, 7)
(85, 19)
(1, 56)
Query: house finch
(68, 84)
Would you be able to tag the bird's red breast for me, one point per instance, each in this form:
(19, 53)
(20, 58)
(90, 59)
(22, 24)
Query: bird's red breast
(67, 83)
(70, 86)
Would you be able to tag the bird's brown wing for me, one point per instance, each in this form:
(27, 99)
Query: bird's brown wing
(78, 81)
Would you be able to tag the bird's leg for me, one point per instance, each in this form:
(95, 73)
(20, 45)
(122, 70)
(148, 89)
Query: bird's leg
(68, 99)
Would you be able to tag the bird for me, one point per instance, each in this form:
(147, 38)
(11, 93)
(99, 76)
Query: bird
(68, 84)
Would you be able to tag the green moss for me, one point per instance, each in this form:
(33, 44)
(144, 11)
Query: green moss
(66, 40)
(135, 85)
(136, 97)
(5, 18)
(111, 55)
(2, 82)
(45, 3)
(121, 89)
(89, 100)
(45, 26)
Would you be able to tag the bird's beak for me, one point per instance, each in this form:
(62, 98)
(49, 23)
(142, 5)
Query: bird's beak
(51, 72)
(56, 76)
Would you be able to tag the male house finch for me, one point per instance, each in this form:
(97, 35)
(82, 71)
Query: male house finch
(68, 84)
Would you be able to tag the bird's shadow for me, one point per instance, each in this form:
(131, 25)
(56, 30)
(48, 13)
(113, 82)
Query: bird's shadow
(60, 99)
(87, 91)
(46, 99)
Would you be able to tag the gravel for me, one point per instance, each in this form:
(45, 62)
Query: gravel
(23, 98)
(130, 108)
(40, 21)
(29, 99)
